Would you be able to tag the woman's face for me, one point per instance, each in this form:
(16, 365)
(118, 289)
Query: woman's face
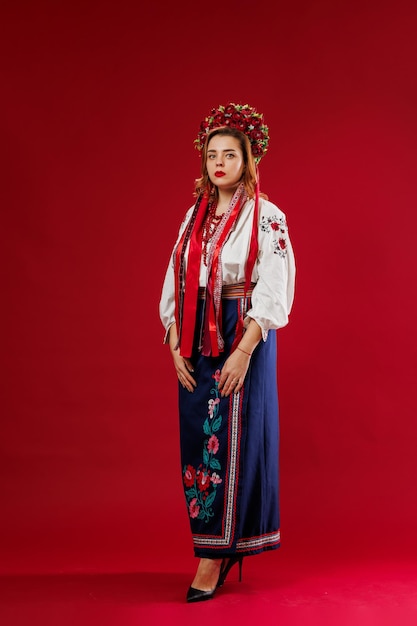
(225, 163)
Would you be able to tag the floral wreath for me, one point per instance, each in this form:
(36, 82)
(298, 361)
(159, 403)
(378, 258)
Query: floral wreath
(243, 117)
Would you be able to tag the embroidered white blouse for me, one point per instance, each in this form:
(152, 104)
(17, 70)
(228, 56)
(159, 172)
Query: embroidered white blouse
(273, 273)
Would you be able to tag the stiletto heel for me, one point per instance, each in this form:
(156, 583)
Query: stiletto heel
(226, 569)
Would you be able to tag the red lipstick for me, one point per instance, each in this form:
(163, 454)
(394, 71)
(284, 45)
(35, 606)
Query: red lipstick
(219, 174)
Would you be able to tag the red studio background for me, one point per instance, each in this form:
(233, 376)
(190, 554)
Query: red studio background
(101, 102)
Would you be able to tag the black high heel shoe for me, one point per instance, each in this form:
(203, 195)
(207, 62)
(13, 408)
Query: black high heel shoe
(226, 569)
(198, 595)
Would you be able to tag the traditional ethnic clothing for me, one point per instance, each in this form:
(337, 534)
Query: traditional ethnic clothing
(229, 446)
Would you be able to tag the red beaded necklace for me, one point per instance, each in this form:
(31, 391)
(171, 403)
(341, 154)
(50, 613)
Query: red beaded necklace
(210, 225)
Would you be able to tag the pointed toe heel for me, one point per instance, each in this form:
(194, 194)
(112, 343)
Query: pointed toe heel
(197, 595)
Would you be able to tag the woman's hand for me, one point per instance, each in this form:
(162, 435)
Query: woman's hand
(233, 373)
(184, 370)
(183, 366)
(236, 366)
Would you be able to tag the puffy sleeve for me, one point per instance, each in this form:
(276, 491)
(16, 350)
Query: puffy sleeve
(273, 293)
(167, 301)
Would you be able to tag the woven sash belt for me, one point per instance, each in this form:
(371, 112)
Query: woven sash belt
(230, 292)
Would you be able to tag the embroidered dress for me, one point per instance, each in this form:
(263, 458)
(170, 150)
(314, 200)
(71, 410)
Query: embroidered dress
(229, 446)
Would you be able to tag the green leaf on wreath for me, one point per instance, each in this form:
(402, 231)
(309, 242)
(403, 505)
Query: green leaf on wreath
(191, 493)
(205, 457)
(206, 427)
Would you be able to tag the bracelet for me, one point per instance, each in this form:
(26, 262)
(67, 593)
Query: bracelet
(248, 353)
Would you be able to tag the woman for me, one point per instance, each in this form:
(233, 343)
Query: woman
(229, 284)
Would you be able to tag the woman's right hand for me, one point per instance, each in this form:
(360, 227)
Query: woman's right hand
(183, 365)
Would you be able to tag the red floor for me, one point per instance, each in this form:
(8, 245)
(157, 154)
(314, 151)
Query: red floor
(273, 591)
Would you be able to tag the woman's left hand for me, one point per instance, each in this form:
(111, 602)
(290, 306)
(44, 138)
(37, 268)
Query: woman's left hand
(233, 373)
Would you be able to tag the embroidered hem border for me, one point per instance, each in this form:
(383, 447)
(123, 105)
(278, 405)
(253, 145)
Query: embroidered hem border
(256, 543)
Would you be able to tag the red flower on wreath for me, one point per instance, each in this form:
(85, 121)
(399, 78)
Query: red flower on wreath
(274, 226)
(189, 476)
(256, 150)
(256, 134)
(282, 243)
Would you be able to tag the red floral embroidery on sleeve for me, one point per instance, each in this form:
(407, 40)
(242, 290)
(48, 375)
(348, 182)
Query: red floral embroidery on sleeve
(278, 227)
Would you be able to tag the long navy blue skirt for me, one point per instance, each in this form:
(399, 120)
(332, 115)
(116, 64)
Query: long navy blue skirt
(229, 451)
